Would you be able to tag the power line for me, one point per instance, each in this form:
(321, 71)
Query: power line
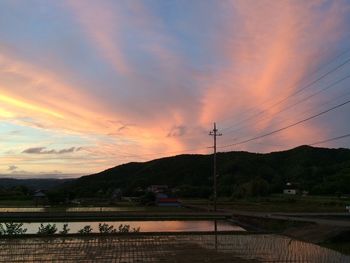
(288, 126)
(342, 96)
(340, 54)
(290, 95)
(126, 155)
(258, 137)
(261, 112)
(302, 100)
(331, 139)
(254, 138)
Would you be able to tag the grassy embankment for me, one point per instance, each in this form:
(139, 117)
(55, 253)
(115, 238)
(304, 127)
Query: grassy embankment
(280, 203)
(342, 247)
(16, 203)
(272, 203)
(325, 236)
(124, 206)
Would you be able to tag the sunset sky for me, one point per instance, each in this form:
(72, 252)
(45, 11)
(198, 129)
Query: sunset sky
(87, 85)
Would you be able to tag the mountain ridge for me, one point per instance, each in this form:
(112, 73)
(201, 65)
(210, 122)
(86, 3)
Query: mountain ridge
(318, 170)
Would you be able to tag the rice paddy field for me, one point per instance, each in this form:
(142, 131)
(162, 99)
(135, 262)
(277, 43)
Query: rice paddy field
(165, 247)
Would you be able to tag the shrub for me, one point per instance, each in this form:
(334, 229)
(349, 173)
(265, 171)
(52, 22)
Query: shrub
(106, 229)
(126, 229)
(65, 230)
(47, 230)
(85, 230)
(12, 229)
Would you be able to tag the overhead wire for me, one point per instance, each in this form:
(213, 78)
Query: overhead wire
(331, 139)
(281, 121)
(341, 54)
(299, 101)
(287, 126)
(244, 141)
(274, 105)
(310, 84)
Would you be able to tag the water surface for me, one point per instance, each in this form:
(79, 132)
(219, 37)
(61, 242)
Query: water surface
(70, 209)
(146, 226)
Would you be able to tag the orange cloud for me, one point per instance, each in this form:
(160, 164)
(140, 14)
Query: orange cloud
(261, 49)
(27, 106)
(34, 96)
(28, 91)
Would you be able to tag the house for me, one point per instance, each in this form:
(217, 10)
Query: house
(39, 197)
(163, 199)
(290, 189)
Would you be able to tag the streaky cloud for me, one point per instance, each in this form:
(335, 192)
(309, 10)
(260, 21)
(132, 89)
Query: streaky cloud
(41, 150)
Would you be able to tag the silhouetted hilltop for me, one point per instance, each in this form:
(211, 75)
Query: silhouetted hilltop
(318, 170)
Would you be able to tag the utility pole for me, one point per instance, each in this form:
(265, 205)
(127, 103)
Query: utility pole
(214, 133)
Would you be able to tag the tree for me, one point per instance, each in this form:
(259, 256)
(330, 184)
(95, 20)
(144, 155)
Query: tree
(259, 187)
(148, 198)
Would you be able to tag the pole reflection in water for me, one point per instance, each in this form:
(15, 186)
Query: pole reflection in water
(216, 234)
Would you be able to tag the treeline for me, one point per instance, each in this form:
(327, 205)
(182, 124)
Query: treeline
(319, 171)
(23, 189)
(32, 184)
(19, 192)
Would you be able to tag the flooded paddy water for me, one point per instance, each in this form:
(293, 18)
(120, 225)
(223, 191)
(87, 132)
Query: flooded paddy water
(166, 247)
(162, 241)
(71, 209)
(145, 226)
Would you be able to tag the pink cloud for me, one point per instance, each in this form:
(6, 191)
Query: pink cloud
(270, 46)
(103, 24)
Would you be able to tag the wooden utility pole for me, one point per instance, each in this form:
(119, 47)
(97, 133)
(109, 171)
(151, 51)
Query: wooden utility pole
(214, 133)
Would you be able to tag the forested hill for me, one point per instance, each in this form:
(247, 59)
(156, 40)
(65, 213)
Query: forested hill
(317, 170)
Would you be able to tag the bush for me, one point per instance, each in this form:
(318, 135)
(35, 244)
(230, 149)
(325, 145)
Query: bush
(126, 229)
(12, 229)
(85, 230)
(47, 230)
(106, 229)
(65, 230)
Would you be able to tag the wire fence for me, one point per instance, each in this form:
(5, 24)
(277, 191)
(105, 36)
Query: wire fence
(166, 248)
